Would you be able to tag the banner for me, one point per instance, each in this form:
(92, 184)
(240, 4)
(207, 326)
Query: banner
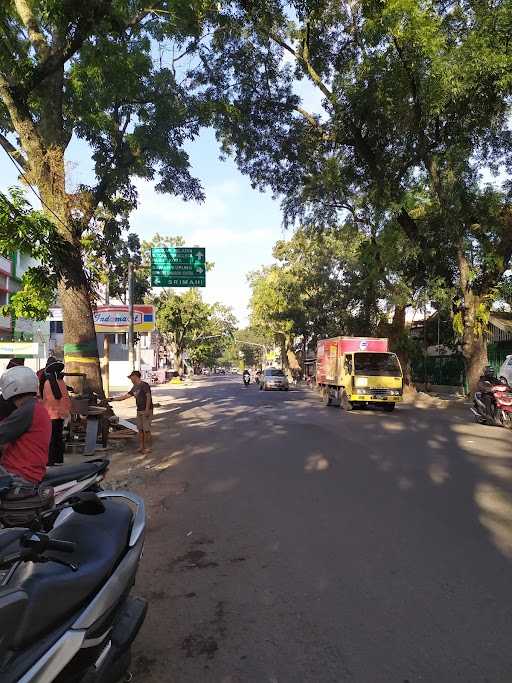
(19, 349)
(114, 319)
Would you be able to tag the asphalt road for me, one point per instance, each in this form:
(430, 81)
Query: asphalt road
(290, 542)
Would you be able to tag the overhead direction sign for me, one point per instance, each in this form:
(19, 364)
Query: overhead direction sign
(178, 267)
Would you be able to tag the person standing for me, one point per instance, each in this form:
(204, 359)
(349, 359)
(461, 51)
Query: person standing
(55, 397)
(144, 401)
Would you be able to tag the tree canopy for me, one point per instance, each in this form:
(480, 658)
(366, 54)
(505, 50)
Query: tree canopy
(107, 73)
(415, 118)
(187, 323)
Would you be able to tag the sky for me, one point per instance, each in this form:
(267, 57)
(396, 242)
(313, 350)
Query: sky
(237, 225)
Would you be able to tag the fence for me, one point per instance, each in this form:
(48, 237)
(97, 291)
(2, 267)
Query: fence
(439, 370)
(497, 353)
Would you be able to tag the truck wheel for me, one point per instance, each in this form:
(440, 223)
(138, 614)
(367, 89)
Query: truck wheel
(389, 407)
(345, 403)
(326, 396)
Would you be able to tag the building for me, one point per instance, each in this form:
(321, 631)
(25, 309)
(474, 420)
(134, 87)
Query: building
(11, 271)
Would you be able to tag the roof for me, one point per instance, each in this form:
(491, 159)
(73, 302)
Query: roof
(502, 324)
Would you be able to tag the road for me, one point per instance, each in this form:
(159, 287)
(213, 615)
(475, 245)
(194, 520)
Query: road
(289, 542)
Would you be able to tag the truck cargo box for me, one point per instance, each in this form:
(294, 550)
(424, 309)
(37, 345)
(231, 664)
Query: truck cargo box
(330, 354)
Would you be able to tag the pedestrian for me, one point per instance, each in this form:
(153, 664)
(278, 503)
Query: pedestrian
(25, 433)
(144, 401)
(15, 362)
(55, 397)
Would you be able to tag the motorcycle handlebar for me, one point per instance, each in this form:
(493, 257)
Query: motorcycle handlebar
(62, 546)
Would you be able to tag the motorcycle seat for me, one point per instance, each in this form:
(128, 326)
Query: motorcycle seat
(56, 592)
(61, 475)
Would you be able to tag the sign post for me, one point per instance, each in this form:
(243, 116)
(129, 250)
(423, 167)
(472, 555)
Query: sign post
(178, 267)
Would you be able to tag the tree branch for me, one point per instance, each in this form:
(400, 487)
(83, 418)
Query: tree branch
(35, 35)
(13, 152)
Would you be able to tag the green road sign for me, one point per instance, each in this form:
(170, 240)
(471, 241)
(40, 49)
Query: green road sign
(178, 267)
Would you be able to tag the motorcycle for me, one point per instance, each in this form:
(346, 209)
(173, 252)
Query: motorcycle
(68, 480)
(66, 613)
(37, 506)
(247, 379)
(498, 411)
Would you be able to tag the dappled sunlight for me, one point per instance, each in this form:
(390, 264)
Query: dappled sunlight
(405, 483)
(222, 485)
(393, 426)
(438, 472)
(495, 514)
(316, 462)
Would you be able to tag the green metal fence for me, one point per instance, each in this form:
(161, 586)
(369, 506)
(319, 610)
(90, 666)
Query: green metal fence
(448, 370)
(496, 353)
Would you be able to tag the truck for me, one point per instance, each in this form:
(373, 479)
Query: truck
(358, 371)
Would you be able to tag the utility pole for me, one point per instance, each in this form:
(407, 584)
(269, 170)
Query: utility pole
(131, 360)
(106, 348)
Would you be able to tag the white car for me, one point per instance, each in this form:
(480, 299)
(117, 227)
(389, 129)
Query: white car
(273, 378)
(506, 370)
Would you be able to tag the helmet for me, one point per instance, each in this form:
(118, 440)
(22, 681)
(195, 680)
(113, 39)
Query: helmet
(17, 381)
(489, 371)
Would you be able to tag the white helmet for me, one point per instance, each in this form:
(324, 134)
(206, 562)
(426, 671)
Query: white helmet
(18, 380)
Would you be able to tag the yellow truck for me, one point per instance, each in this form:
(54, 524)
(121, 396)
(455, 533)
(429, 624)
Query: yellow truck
(358, 371)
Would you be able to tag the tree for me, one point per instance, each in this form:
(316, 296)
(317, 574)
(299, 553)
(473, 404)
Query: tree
(253, 351)
(208, 349)
(86, 69)
(184, 319)
(23, 229)
(416, 104)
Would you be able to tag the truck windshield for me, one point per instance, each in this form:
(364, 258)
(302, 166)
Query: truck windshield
(376, 364)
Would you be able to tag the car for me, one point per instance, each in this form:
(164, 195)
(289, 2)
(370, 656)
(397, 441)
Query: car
(506, 370)
(273, 378)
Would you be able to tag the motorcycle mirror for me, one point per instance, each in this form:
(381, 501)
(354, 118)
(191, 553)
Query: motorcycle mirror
(87, 503)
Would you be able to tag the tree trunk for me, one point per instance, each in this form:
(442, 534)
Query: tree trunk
(474, 343)
(44, 139)
(80, 346)
(398, 341)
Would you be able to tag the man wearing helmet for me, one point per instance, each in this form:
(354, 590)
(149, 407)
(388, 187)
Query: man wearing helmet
(25, 433)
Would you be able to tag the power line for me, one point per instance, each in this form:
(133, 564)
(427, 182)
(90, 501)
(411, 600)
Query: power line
(22, 173)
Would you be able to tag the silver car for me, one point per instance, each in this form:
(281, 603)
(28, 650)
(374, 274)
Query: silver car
(273, 378)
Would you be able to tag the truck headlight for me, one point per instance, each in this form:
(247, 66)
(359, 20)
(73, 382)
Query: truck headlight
(361, 381)
(360, 392)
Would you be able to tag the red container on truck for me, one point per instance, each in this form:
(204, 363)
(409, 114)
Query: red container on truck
(358, 371)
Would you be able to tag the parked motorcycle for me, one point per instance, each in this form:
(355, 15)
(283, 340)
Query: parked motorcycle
(68, 480)
(66, 613)
(497, 410)
(37, 506)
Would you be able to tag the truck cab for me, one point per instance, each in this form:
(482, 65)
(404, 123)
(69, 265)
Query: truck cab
(371, 378)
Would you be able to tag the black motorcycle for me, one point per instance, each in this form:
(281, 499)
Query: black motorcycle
(66, 613)
(247, 380)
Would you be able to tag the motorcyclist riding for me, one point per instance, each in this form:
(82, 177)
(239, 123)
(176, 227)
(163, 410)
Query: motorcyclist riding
(246, 376)
(25, 433)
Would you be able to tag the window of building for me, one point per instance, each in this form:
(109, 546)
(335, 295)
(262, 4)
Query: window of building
(56, 327)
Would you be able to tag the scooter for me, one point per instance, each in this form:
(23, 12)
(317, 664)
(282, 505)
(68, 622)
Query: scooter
(500, 414)
(68, 480)
(38, 506)
(66, 613)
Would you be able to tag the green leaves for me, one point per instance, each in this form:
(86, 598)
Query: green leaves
(188, 323)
